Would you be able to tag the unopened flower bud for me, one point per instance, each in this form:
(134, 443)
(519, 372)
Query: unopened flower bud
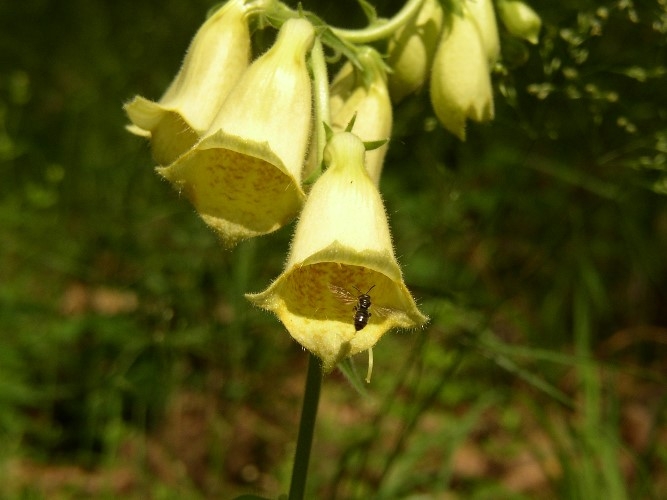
(244, 176)
(411, 50)
(217, 57)
(342, 242)
(460, 80)
(367, 98)
(520, 19)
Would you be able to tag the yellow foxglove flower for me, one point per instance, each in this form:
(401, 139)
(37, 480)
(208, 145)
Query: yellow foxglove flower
(520, 20)
(369, 101)
(244, 176)
(485, 17)
(217, 57)
(460, 80)
(411, 50)
(342, 241)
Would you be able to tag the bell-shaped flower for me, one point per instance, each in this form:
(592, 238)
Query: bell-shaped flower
(520, 19)
(460, 81)
(365, 98)
(244, 175)
(411, 50)
(485, 18)
(217, 57)
(341, 249)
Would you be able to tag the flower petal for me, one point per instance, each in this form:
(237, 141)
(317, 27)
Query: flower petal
(217, 57)
(240, 188)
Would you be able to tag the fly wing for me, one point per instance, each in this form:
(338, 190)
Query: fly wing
(342, 294)
(382, 312)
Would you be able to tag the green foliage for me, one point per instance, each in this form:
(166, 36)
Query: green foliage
(537, 247)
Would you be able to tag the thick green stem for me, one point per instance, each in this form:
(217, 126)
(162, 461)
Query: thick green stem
(321, 105)
(382, 29)
(304, 442)
(278, 12)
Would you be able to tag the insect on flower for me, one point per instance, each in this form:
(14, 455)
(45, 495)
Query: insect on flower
(363, 304)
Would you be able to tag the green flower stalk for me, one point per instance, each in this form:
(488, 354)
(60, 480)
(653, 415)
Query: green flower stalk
(244, 175)
(342, 240)
(217, 57)
(411, 50)
(520, 20)
(366, 99)
(460, 81)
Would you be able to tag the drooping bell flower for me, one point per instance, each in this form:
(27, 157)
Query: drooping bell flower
(520, 19)
(460, 81)
(217, 57)
(244, 175)
(365, 98)
(411, 50)
(341, 244)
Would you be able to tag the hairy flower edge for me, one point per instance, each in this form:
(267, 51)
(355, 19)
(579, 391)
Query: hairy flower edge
(303, 299)
(240, 188)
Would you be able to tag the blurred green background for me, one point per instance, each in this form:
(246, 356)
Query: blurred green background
(131, 365)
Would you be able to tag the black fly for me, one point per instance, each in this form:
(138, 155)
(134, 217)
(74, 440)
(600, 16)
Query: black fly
(363, 300)
(362, 314)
